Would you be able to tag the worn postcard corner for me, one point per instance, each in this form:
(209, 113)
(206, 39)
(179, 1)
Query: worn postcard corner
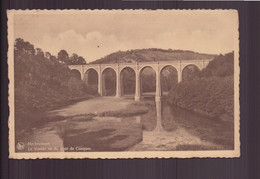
(123, 84)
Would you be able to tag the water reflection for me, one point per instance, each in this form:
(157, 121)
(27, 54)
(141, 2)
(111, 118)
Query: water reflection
(159, 126)
(163, 127)
(153, 120)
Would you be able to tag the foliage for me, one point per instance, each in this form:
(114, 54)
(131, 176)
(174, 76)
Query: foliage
(109, 82)
(190, 73)
(63, 56)
(128, 81)
(169, 78)
(76, 60)
(41, 81)
(222, 65)
(211, 92)
(92, 89)
(148, 81)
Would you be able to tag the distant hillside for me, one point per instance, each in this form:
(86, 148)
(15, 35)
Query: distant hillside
(150, 55)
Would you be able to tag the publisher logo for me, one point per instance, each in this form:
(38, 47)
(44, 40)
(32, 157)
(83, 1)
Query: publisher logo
(20, 146)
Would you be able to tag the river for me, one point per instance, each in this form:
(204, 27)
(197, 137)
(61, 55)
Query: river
(162, 128)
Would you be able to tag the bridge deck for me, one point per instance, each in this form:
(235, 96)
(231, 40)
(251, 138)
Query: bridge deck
(144, 63)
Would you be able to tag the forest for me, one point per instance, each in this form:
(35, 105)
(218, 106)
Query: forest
(210, 91)
(43, 81)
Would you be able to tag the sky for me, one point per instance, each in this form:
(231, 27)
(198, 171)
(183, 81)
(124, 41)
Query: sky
(95, 34)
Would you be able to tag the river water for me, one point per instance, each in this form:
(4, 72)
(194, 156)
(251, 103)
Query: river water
(163, 127)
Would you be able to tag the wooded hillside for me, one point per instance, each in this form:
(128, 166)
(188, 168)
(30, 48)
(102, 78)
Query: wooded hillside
(42, 81)
(150, 55)
(211, 91)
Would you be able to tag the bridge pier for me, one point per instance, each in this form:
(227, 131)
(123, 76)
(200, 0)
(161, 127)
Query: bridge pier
(179, 76)
(100, 92)
(137, 86)
(158, 92)
(118, 83)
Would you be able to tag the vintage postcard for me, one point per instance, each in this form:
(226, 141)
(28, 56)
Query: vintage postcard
(123, 83)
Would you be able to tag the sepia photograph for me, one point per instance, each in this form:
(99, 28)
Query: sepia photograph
(123, 83)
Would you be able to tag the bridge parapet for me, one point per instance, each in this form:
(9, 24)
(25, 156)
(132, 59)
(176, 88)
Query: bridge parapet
(113, 65)
(179, 65)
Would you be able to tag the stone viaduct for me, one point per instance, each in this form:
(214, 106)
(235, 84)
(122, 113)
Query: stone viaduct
(138, 67)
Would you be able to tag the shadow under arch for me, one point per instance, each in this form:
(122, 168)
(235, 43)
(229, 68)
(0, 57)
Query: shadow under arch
(190, 72)
(168, 78)
(109, 82)
(127, 81)
(147, 76)
(76, 74)
(91, 80)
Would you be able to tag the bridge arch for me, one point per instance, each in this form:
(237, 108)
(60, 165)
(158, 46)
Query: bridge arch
(147, 66)
(109, 81)
(127, 67)
(91, 68)
(76, 73)
(127, 79)
(148, 78)
(168, 78)
(190, 71)
(109, 67)
(91, 77)
(168, 66)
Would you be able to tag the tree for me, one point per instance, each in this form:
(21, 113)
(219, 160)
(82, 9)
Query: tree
(81, 60)
(63, 56)
(39, 52)
(48, 55)
(76, 60)
(73, 59)
(190, 72)
(21, 45)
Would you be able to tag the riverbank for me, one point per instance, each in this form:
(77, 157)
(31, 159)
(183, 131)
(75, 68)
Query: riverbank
(212, 130)
(79, 125)
(223, 117)
(120, 124)
(178, 140)
(210, 133)
(98, 106)
(27, 119)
